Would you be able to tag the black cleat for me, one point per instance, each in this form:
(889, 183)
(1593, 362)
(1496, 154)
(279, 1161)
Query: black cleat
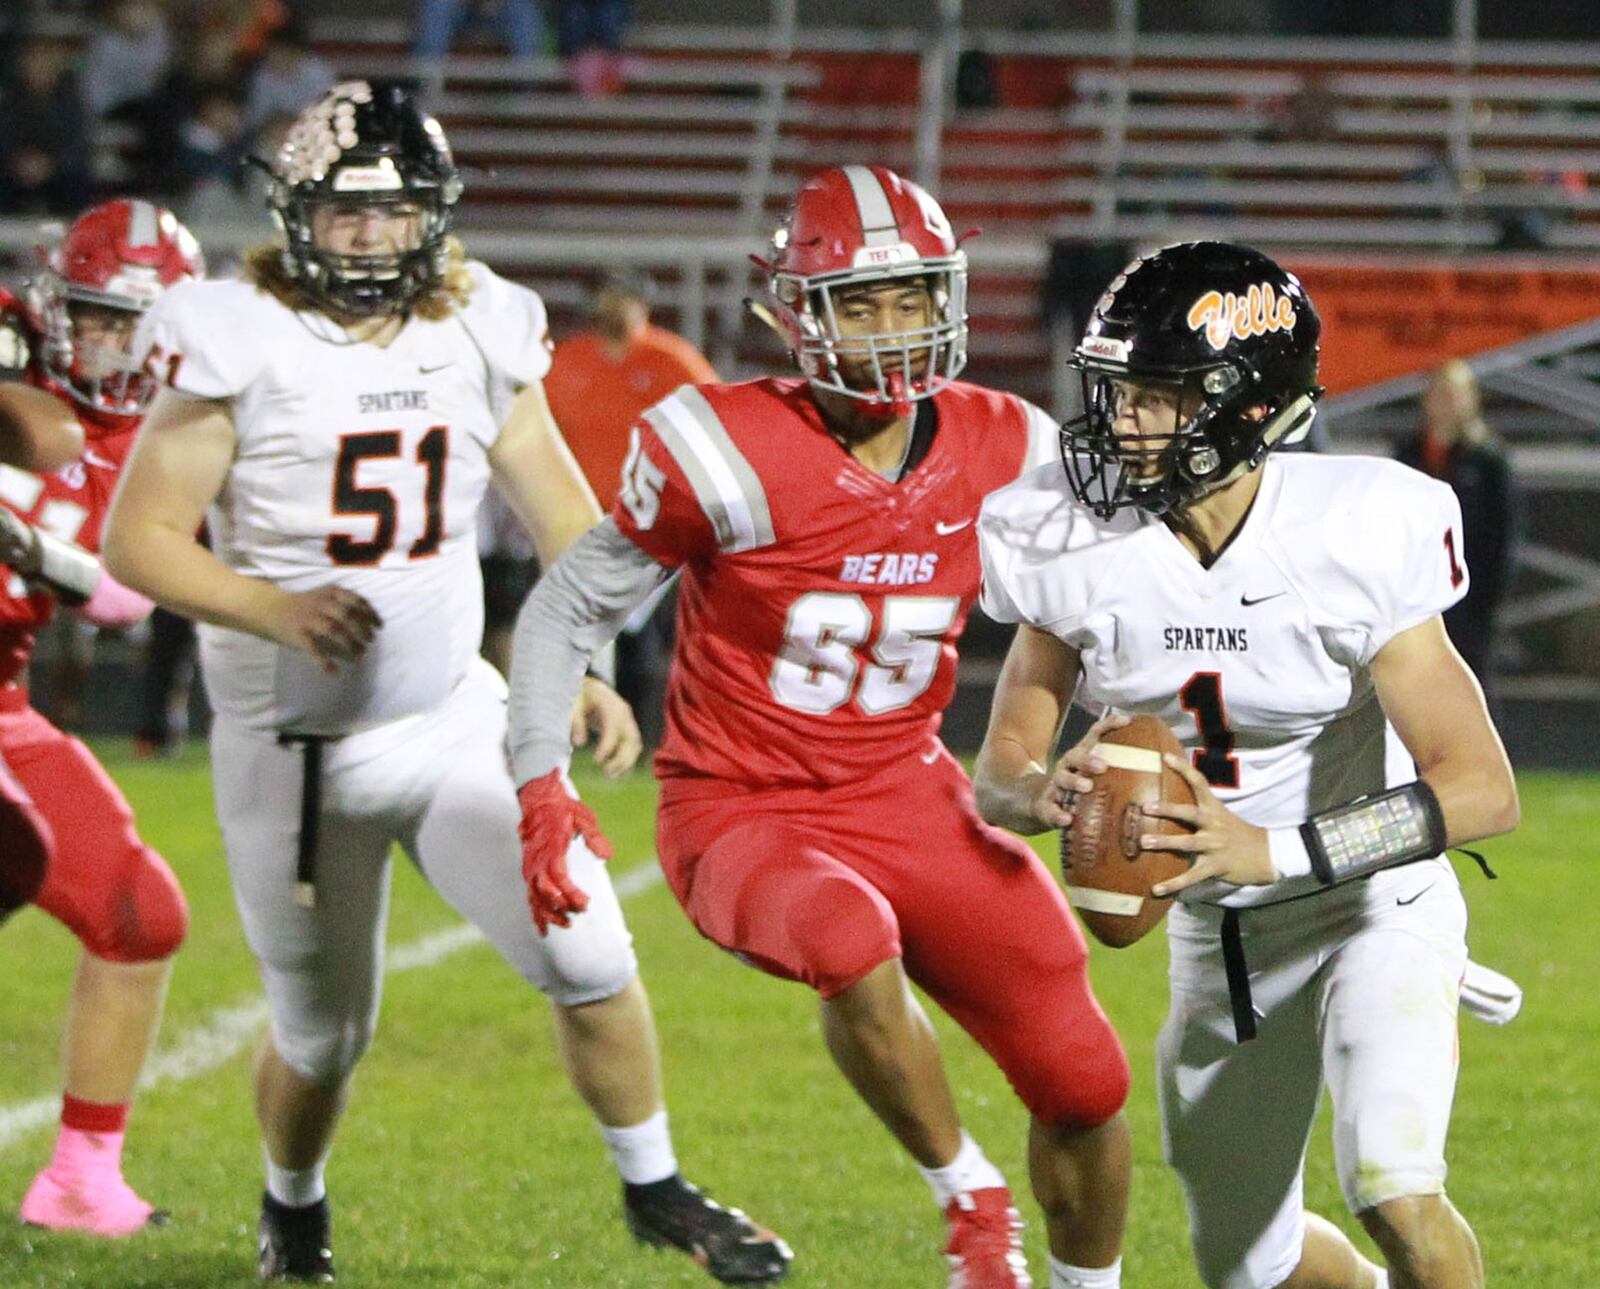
(295, 1242)
(673, 1214)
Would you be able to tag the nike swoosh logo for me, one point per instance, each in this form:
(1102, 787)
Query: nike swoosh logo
(944, 529)
(91, 457)
(1260, 599)
(1402, 903)
(428, 371)
(931, 756)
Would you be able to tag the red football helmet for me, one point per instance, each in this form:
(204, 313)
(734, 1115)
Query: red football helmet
(116, 259)
(863, 224)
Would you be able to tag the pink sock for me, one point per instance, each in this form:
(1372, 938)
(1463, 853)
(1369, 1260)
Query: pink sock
(90, 1140)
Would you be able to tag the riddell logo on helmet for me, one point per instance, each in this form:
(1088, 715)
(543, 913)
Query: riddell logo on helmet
(872, 256)
(383, 177)
(1107, 347)
(1226, 316)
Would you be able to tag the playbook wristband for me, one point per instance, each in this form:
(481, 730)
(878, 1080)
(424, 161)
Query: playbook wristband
(1374, 833)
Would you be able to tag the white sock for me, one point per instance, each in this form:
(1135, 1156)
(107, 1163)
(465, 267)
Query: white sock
(642, 1153)
(970, 1170)
(1382, 1282)
(296, 1187)
(1063, 1276)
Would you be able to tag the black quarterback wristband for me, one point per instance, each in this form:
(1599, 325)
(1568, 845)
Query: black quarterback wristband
(1373, 833)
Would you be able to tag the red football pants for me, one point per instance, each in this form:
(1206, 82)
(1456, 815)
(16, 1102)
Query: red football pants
(823, 885)
(104, 884)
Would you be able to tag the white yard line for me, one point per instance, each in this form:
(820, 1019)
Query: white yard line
(230, 1030)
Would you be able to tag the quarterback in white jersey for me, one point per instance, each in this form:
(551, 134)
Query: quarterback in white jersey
(1281, 614)
(337, 418)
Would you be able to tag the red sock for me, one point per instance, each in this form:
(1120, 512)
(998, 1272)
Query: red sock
(91, 1116)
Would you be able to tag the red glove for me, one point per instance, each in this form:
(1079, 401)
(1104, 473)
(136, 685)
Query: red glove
(551, 818)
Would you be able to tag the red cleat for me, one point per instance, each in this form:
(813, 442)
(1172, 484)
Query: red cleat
(985, 1249)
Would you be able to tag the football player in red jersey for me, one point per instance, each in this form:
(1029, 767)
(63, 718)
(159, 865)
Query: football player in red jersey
(71, 334)
(811, 821)
(36, 433)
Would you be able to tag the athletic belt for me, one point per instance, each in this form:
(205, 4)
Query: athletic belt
(305, 864)
(1244, 1014)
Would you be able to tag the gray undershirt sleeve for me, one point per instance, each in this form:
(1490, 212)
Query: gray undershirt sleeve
(580, 603)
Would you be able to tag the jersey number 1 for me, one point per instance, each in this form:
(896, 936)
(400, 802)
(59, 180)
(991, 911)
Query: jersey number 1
(380, 504)
(1201, 697)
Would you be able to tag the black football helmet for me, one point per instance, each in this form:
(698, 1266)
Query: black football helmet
(1235, 337)
(365, 143)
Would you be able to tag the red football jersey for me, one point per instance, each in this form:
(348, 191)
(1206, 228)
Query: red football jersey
(70, 504)
(820, 603)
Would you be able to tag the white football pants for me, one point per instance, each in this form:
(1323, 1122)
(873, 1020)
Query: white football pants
(439, 785)
(1356, 988)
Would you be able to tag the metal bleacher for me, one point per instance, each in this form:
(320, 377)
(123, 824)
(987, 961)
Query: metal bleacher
(1413, 146)
(1437, 150)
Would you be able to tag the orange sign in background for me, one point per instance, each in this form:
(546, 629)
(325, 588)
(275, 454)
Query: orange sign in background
(1383, 321)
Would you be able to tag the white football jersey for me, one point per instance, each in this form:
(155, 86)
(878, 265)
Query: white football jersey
(1260, 663)
(358, 466)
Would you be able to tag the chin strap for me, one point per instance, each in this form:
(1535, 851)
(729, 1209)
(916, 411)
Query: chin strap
(1293, 421)
(899, 397)
(1290, 424)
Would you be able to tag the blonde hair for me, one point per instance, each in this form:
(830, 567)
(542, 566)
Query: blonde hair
(1456, 378)
(264, 267)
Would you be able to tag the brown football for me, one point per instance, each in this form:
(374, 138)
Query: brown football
(1108, 876)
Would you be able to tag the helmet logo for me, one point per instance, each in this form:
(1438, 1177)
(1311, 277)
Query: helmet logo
(1107, 347)
(867, 257)
(140, 283)
(1224, 317)
(382, 177)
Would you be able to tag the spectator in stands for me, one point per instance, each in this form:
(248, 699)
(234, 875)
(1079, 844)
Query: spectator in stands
(166, 680)
(440, 22)
(244, 25)
(591, 42)
(44, 137)
(239, 198)
(1454, 444)
(288, 76)
(211, 143)
(600, 383)
(126, 60)
(1309, 115)
(209, 58)
(125, 57)
(601, 380)
(14, 23)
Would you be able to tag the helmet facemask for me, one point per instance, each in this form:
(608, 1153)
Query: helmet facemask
(106, 375)
(88, 342)
(1217, 433)
(366, 283)
(902, 367)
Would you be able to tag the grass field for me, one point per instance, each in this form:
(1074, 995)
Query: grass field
(466, 1162)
